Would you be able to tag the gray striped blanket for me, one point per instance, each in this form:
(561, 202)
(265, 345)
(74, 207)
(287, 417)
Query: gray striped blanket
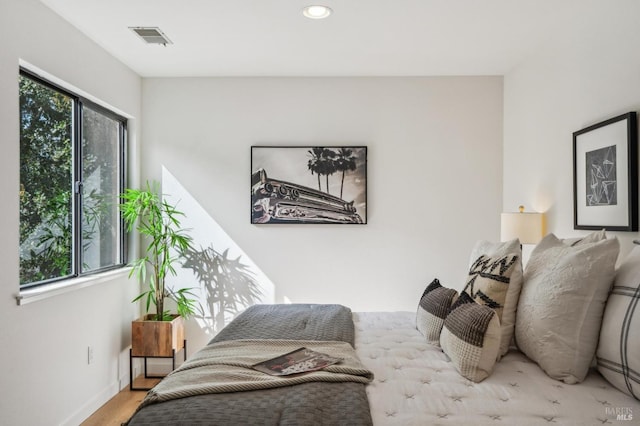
(226, 367)
(318, 403)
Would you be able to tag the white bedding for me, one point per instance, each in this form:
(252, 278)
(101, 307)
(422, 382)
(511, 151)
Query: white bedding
(415, 385)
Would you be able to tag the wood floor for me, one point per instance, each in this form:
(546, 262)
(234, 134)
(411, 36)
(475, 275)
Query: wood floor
(119, 408)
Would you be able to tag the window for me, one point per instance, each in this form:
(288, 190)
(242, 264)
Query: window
(71, 176)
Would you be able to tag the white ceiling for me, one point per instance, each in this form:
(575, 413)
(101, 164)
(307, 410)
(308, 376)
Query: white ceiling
(361, 37)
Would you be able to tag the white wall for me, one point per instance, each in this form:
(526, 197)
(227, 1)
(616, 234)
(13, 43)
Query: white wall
(568, 85)
(435, 185)
(45, 376)
(434, 175)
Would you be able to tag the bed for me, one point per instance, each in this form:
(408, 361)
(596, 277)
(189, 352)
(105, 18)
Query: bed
(413, 382)
(400, 368)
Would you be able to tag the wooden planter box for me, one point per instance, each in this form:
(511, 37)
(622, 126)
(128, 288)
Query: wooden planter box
(156, 338)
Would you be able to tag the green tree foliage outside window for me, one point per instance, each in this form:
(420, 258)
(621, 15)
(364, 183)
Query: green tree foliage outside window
(46, 154)
(100, 191)
(50, 246)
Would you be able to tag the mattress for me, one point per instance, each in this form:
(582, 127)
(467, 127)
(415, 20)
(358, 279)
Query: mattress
(415, 384)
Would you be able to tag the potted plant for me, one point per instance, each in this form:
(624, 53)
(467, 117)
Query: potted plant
(158, 334)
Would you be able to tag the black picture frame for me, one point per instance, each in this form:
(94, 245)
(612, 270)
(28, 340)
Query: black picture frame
(605, 175)
(309, 184)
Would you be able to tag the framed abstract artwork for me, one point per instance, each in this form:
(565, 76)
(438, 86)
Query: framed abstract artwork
(605, 175)
(309, 184)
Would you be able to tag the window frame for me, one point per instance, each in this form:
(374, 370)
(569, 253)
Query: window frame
(79, 103)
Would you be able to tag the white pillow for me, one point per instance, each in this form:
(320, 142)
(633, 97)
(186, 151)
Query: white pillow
(618, 352)
(508, 319)
(561, 305)
(593, 237)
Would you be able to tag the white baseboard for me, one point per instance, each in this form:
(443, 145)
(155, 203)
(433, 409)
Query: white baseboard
(123, 381)
(93, 404)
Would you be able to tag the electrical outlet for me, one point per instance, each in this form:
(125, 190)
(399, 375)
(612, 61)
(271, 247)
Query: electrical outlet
(89, 355)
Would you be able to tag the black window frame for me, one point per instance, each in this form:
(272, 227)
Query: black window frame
(79, 103)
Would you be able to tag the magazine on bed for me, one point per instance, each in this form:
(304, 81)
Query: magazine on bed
(301, 360)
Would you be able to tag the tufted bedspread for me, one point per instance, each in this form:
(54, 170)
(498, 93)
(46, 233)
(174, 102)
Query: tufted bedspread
(414, 384)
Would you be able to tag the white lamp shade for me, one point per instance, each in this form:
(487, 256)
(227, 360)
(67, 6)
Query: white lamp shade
(527, 227)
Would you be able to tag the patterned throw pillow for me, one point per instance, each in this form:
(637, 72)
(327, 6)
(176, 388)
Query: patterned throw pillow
(471, 338)
(489, 279)
(433, 308)
(618, 352)
(508, 317)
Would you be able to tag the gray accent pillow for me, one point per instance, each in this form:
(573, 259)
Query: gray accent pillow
(432, 310)
(561, 305)
(618, 353)
(471, 338)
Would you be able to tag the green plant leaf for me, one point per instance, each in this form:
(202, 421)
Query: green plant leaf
(156, 221)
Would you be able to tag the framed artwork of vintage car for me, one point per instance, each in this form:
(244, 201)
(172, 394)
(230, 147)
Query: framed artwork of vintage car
(309, 184)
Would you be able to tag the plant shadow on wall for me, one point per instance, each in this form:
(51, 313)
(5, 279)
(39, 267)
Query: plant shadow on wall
(229, 285)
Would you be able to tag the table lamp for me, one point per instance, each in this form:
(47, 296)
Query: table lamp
(527, 227)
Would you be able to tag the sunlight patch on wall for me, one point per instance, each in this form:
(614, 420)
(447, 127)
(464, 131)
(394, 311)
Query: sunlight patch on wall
(219, 271)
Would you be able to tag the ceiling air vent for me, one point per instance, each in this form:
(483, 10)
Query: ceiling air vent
(151, 35)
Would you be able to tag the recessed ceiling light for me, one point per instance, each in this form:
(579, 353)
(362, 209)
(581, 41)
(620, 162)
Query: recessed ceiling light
(316, 11)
